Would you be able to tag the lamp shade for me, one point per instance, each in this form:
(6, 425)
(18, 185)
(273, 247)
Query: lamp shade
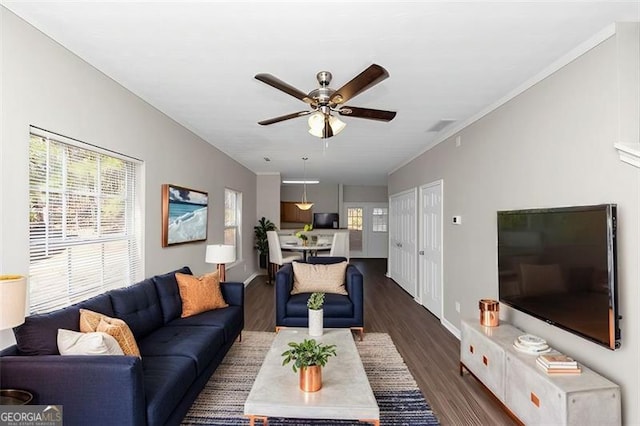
(220, 254)
(13, 298)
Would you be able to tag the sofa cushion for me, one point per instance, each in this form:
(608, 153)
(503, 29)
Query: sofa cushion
(138, 305)
(169, 295)
(76, 343)
(200, 294)
(166, 380)
(335, 306)
(198, 343)
(230, 319)
(308, 278)
(39, 333)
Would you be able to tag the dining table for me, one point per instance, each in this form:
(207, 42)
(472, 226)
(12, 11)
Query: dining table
(307, 249)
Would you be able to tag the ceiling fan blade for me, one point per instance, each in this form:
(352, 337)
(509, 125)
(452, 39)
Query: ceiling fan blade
(371, 114)
(284, 117)
(285, 87)
(366, 79)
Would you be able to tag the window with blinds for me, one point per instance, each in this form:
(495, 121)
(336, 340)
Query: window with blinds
(233, 219)
(84, 222)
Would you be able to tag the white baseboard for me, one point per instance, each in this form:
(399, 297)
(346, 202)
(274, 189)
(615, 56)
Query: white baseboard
(251, 277)
(452, 329)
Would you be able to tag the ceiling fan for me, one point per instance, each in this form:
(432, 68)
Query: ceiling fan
(324, 101)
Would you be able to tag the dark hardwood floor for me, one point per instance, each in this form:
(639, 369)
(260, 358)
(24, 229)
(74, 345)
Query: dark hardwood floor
(430, 351)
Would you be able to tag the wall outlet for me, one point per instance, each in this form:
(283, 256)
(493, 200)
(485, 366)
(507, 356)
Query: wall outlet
(458, 307)
(456, 220)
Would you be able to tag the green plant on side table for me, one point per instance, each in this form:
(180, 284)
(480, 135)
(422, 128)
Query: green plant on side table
(309, 357)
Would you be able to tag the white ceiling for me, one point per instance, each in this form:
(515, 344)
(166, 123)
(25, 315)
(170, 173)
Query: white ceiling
(195, 61)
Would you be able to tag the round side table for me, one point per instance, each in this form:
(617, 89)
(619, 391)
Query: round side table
(15, 397)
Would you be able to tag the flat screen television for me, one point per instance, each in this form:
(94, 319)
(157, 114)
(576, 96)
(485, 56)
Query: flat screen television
(326, 221)
(559, 265)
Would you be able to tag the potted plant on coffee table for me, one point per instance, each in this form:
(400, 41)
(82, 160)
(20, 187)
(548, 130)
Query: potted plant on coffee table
(315, 304)
(309, 357)
(262, 244)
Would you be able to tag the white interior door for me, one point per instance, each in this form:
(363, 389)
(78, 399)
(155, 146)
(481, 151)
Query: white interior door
(430, 248)
(403, 240)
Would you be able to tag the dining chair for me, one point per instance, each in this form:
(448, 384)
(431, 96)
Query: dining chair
(339, 246)
(276, 259)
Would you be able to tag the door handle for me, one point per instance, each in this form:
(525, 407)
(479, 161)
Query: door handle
(421, 252)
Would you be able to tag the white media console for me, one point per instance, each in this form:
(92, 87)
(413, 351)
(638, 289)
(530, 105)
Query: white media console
(527, 392)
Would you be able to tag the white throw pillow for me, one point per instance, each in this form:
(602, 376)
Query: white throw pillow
(96, 343)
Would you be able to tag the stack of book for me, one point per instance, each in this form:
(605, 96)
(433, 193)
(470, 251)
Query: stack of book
(556, 363)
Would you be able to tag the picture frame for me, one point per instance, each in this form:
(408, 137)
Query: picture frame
(185, 214)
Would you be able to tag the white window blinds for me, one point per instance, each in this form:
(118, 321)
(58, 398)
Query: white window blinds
(233, 220)
(84, 222)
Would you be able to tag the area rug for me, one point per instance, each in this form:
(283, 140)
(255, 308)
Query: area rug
(221, 402)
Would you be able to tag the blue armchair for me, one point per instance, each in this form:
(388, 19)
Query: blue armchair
(340, 311)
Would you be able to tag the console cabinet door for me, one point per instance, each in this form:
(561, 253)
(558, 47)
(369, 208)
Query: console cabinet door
(533, 399)
(484, 358)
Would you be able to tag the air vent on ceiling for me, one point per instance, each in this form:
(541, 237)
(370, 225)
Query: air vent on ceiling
(440, 125)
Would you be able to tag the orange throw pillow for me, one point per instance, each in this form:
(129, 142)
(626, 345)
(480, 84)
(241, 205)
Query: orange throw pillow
(200, 294)
(122, 333)
(93, 321)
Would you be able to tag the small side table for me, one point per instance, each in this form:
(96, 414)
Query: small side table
(15, 397)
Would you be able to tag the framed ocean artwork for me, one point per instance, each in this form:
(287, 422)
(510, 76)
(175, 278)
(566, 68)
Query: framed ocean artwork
(184, 215)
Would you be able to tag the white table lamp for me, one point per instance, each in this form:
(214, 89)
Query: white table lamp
(220, 254)
(13, 298)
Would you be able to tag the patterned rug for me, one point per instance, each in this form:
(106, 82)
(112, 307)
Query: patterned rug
(221, 402)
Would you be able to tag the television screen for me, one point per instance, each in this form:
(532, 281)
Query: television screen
(325, 220)
(559, 265)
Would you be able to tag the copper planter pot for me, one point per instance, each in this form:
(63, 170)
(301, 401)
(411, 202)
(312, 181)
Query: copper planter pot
(489, 312)
(311, 378)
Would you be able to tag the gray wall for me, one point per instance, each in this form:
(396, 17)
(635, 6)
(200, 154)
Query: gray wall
(324, 196)
(362, 194)
(268, 197)
(45, 85)
(550, 146)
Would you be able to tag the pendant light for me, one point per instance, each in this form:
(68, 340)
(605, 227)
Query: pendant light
(304, 204)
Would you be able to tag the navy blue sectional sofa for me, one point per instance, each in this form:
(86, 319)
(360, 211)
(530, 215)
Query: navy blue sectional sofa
(179, 355)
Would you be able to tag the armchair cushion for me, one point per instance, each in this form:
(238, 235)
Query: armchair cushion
(335, 306)
(309, 278)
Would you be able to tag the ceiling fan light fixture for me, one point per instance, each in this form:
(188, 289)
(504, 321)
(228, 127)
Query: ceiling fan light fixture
(317, 121)
(336, 124)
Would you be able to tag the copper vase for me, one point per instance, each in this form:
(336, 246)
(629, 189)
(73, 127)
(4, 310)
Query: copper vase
(489, 312)
(311, 378)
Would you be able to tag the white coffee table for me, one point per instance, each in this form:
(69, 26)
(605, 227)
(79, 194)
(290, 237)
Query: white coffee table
(345, 394)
